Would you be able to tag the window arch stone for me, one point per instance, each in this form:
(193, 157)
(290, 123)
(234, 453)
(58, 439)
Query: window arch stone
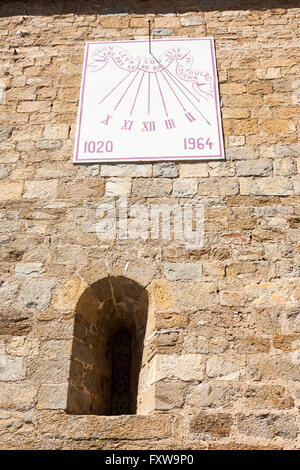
(108, 309)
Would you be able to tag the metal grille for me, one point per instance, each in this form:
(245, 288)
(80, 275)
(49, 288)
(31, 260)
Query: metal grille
(121, 365)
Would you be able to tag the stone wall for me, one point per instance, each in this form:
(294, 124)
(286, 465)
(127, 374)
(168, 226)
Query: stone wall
(221, 351)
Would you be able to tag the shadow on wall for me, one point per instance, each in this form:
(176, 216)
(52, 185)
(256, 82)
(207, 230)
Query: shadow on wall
(92, 7)
(109, 329)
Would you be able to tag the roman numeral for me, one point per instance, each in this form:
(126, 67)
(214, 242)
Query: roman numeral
(190, 117)
(127, 125)
(149, 126)
(170, 124)
(108, 117)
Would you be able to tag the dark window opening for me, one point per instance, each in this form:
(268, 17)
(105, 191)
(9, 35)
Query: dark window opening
(121, 372)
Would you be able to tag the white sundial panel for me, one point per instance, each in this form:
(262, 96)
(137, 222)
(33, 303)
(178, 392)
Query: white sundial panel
(138, 104)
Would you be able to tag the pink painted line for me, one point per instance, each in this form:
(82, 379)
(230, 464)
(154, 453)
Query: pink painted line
(184, 109)
(114, 88)
(81, 100)
(153, 40)
(216, 95)
(161, 94)
(177, 157)
(149, 87)
(175, 78)
(127, 89)
(136, 95)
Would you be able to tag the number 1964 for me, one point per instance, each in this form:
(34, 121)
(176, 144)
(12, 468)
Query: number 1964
(193, 144)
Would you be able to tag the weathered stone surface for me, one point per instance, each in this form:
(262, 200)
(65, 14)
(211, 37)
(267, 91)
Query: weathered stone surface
(11, 367)
(29, 270)
(81, 189)
(151, 187)
(193, 294)
(131, 170)
(181, 271)
(40, 189)
(20, 346)
(68, 294)
(171, 319)
(161, 294)
(193, 170)
(15, 323)
(118, 187)
(268, 396)
(52, 396)
(10, 190)
(276, 186)
(268, 426)
(254, 168)
(206, 426)
(196, 343)
(106, 427)
(184, 367)
(169, 395)
(11, 398)
(5, 132)
(165, 170)
(225, 367)
(52, 364)
(214, 395)
(191, 20)
(35, 294)
(185, 187)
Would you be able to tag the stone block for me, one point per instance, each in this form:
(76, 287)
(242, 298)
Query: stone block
(196, 20)
(132, 170)
(10, 190)
(181, 271)
(193, 170)
(259, 167)
(118, 187)
(185, 187)
(29, 270)
(11, 398)
(87, 188)
(161, 294)
(226, 367)
(35, 294)
(171, 320)
(165, 170)
(185, 367)
(242, 153)
(269, 186)
(5, 132)
(208, 426)
(52, 396)
(12, 368)
(43, 189)
(151, 187)
(132, 427)
(169, 395)
(213, 395)
(267, 425)
(68, 294)
(268, 396)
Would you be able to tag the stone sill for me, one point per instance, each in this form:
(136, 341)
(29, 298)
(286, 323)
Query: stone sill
(63, 425)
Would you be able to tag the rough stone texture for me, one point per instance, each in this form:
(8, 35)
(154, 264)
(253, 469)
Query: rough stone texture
(221, 355)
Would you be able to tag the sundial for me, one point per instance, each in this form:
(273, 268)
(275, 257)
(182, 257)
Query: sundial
(149, 101)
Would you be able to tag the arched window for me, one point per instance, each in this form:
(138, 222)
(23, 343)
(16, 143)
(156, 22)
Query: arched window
(109, 329)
